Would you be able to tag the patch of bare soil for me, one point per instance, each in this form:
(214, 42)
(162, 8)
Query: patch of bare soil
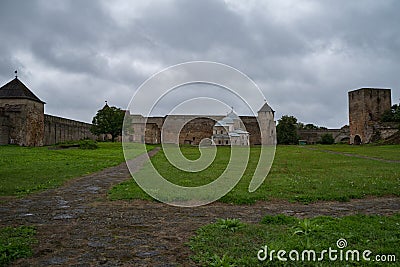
(78, 226)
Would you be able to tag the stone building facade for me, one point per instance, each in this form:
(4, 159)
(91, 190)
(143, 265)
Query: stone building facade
(23, 122)
(366, 106)
(194, 128)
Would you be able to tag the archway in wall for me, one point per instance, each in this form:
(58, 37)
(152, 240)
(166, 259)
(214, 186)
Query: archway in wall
(357, 140)
(345, 140)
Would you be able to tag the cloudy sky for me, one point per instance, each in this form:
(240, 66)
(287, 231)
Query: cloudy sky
(304, 55)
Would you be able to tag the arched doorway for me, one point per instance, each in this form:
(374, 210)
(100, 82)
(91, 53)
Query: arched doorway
(357, 140)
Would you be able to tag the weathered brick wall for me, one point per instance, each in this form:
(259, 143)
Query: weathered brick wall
(57, 129)
(4, 127)
(196, 130)
(191, 129)
(387, 129)
(314, 136)
(22, 122)
(253, 128)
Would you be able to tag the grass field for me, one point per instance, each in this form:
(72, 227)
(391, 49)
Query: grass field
(25, 169)
(15, 242)
(297, 174)
(389, 152)
(229, 242)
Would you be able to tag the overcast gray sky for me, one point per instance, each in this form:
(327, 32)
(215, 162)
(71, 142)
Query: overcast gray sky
(304, 55)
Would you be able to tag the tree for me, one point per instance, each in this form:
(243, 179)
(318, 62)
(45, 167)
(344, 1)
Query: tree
(286, 130)
(392, 115)
(327, 139)
(309, 126)
(108, 120)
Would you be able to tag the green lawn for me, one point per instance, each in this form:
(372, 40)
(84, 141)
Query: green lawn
(25, 169)
(232, 243)
(297, 174)
(15, 242)
(390, 152)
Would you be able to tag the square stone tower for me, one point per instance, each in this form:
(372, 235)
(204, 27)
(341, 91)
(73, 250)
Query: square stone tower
(366, 106)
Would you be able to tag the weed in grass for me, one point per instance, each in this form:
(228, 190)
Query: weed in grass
(225, 261)
(15, 243)
(230, 224)
(305, 228)
(279, 219)
(379, 234)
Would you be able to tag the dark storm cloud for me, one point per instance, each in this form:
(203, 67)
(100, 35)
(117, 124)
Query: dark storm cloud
(305, 55)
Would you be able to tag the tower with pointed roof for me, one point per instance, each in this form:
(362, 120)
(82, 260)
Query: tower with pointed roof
(267, 125)
(21, 115)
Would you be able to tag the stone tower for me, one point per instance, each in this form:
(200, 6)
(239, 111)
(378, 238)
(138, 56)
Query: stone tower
(366, 106)
(267, 125)
(21, 115)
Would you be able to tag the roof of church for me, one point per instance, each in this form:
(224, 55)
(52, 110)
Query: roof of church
(266, 108)
(232, 115)
(16, 89)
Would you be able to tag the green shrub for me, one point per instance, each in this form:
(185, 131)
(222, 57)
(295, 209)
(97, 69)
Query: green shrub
(88, 144)
(327, 139)
(230, 224)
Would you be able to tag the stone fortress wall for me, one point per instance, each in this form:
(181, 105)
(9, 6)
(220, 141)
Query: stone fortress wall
(194, 128)
(57, 129)
(313, 136)
(23, 122)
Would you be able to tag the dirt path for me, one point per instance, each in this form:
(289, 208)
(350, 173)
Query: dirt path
(77, 225)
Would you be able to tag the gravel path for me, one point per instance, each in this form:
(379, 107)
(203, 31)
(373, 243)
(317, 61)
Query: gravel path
(78, 226)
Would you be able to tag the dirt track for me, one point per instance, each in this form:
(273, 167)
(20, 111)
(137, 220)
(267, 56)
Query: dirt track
(78, 226)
